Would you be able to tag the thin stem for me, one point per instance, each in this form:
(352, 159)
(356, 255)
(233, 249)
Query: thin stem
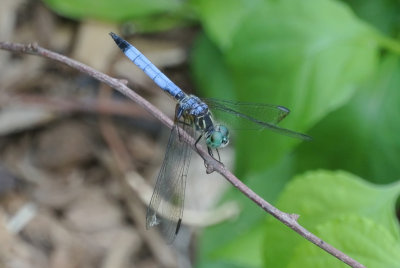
(212, 165)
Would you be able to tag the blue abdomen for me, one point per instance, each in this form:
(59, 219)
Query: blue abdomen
(149, 68)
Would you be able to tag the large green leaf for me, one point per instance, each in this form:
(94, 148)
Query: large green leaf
(307, 55)
(362, 136)
(322, 197)
(361, 238)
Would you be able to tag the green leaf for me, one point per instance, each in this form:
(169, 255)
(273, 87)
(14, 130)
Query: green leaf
(382, 14)
(221, 18)
(362, 136)
(320, 197)
(119, 10)
(361, 238)
(209, 71)
(309, 56)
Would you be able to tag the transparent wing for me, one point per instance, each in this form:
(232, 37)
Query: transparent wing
(166, 204)
(246, 115)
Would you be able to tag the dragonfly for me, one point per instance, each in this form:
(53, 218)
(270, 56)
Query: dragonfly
(194, 116)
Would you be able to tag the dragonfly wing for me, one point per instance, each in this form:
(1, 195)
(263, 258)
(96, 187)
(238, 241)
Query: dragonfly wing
(166, 204)
(247, 115)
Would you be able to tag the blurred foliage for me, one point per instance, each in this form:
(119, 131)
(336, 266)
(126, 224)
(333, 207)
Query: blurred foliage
(116, 10)
(296, 59)
(382, 14)
(335, 64)
(146, 16)
(326, 64)
(366, 130)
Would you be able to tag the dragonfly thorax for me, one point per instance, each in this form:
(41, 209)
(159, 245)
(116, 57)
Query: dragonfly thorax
(193, 110)
(191, 106)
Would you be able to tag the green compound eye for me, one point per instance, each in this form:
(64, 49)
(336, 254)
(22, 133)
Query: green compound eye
(214, 140)
(218, 138)
(224, 132)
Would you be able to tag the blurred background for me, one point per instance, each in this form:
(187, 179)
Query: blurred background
(78, 160)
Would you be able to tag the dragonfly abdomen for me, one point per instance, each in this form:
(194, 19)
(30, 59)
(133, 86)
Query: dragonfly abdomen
(148, 68)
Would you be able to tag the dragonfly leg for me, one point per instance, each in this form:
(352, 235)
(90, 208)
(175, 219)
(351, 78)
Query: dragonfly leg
(210, 152)
(181, 123)
(177, 119)
(219, 157)
(178, 226)
(197, 141)
(208, 148)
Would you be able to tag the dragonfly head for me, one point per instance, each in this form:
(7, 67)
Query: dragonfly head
(218, 137)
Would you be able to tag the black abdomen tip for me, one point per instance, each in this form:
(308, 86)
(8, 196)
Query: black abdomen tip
(121, 43)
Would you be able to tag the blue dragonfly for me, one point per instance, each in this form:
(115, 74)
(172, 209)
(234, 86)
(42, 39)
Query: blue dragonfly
(194, 116)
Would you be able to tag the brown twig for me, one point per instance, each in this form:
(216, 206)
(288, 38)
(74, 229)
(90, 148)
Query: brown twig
(212, 165)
